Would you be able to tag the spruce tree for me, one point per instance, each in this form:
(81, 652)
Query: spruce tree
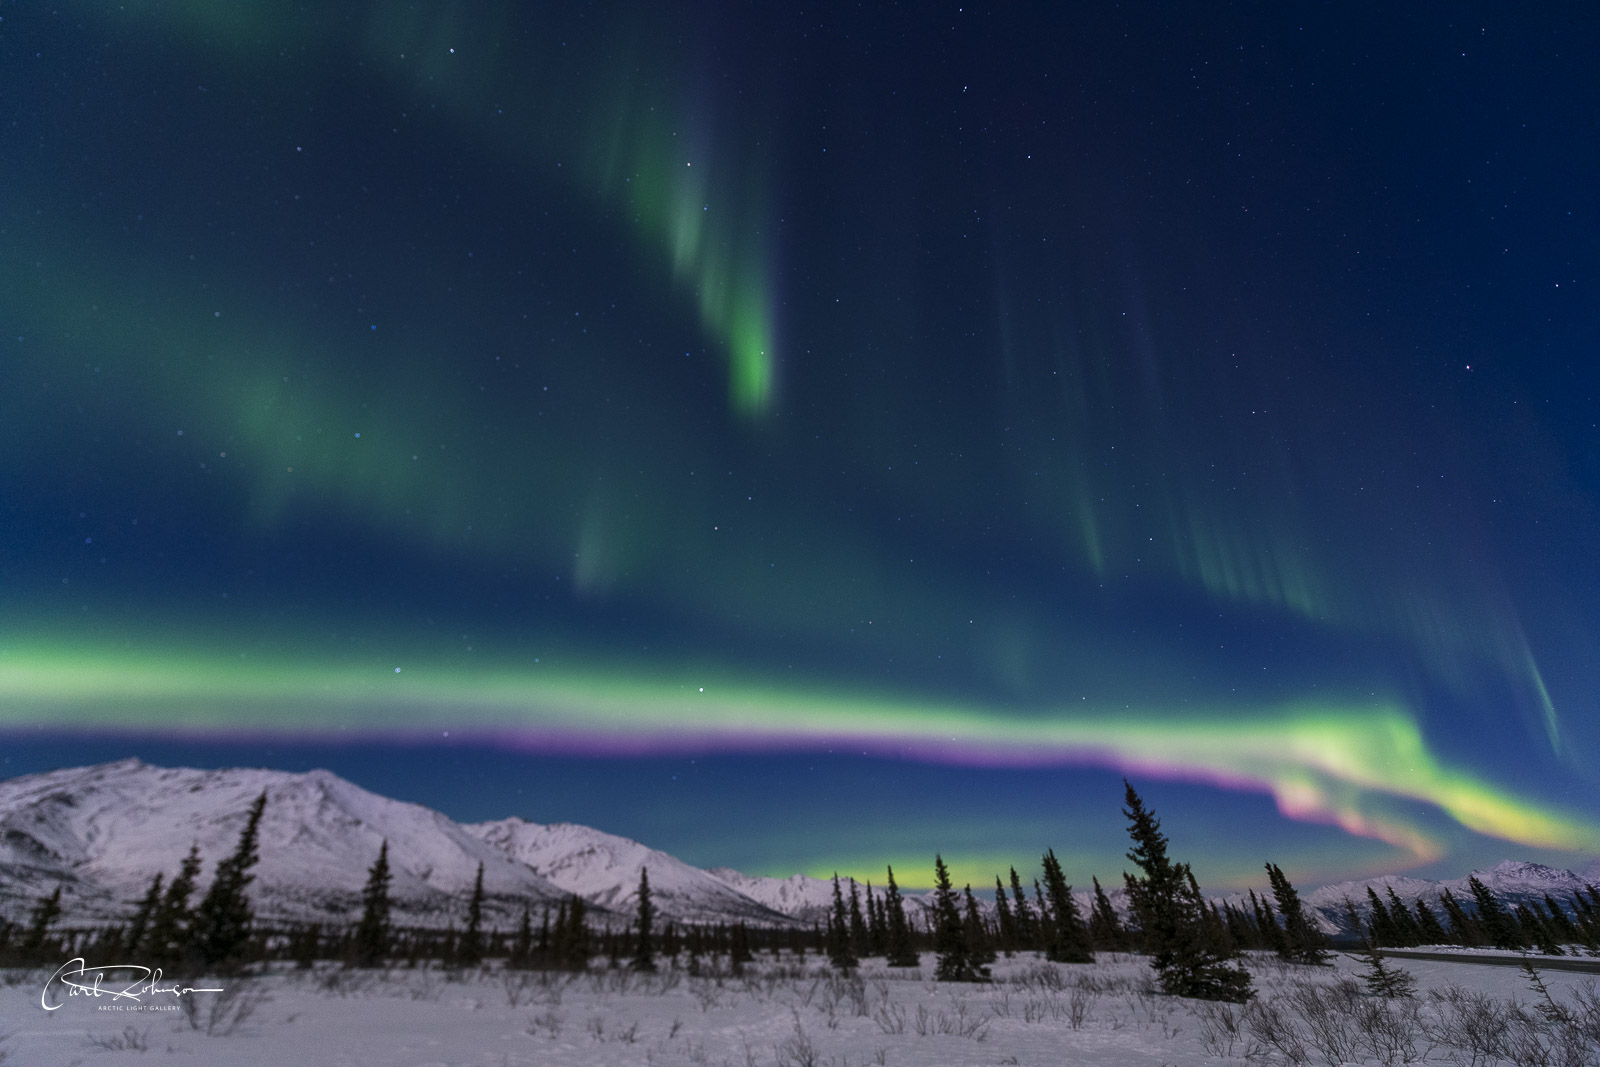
(167, 940)
(860, 943)
(133, 940)
(1464, 930)
(1404, 923)
(954, 962)
(1383, 929)
(469, 949)
(1535, 929)
(222, 921)
(877, 937)
(979, 943)
(1003, 918)
(1429, 929)
(1303, 942)
(644, 958)
(570, 943)
(1272, 935)
(1105, 929)
(522, 943)
(1384, 981)
(1499, 926)
(1560, 925)
(36, 939)
(1069, 937)
(371, 946)
(897, 935)
(1352, 919)
(1186, 965)
(840, 954)
(1241, 929)
(1022, 915)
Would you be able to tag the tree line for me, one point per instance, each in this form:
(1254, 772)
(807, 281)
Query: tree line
(1195, 945)
(1484, 921)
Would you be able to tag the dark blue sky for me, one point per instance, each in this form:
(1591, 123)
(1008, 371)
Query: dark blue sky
(1201, 394)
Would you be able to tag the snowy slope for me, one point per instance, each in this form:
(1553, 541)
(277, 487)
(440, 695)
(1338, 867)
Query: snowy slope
(105, 831)
(604, 869)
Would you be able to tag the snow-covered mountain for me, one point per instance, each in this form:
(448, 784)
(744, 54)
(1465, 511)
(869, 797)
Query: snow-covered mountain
(604, 869)
(104, 832)
(1512, 881)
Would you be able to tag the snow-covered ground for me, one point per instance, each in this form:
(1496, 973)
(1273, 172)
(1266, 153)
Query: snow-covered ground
(799, 1014)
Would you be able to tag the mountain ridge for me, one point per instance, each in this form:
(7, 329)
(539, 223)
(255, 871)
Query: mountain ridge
(103, 831)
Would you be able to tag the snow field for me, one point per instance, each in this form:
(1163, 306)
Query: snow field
(801, 1014)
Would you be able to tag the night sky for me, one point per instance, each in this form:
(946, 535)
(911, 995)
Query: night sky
(805, 438)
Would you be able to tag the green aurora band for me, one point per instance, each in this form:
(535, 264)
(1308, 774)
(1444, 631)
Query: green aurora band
(1330, 763)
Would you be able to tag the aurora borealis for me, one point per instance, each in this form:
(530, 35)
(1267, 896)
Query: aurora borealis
(809, 439)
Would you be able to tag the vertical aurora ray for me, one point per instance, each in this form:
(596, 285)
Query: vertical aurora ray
(473, 361)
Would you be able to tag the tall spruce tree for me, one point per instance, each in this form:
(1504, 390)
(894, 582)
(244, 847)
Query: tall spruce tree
(371, 945)
(133, 940)
(840, 954)
(1403, 922)
(1560, 925)
(644, 954)
(1006, 923)
(1464, 930)
(469, 948)
(222, 921)
(1069, 937)
(1022, 914)
(1499, 925)
(1105, 929)
(860, 943)
(1303, 942)
(167, 940)
(877, 928)
(1271, 933)
(1241, 929)
(1429, 930)
(570, 943)
(1535, 930)
(1383, 928)
(897, 936)
(954, 962)
(979, 941)
(1184, 962)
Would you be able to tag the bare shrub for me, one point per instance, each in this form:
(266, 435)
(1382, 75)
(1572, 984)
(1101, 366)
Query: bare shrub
(1041, 976)
(1469, 1023)
(1327, 1018)
(549, 1022)
(1390, 1029)
(1219, 1027)
(1038, 1009)
(1080, 998)
(890, 1017)
(1267, 1023)
(958, 1022)
(797, 1050)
